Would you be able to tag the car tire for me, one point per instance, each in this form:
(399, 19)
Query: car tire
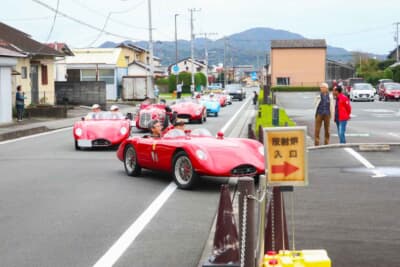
(132, 168)
(205, 117)
(183, 171)
(385, 98)
(77, 147)
(216, 114)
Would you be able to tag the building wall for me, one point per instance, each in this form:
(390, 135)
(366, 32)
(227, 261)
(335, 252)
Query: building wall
(46, 91)
(81, 93)
(304, 66)
(5, 91)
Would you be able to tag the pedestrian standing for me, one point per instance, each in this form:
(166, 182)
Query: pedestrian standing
(20, 102)
(342, 113)
(156, 91)
(179, 90)
(324, 111)
(255, 98)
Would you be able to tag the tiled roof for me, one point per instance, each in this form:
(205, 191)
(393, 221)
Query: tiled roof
(299, 43)
(5, 52)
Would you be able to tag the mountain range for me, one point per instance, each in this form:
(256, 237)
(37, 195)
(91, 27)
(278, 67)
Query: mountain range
(249, 47)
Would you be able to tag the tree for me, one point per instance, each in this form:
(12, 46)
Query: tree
(396, 74)
(388, 73)
(383, 65)
(172, 83)
(200, 79)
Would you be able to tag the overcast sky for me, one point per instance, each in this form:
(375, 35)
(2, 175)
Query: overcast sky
(364, 25)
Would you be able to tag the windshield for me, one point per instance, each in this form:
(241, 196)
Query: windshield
(200, 132)
(105, 115)
(233, 87)
(174, 133)
(392, 86)
(362, 86)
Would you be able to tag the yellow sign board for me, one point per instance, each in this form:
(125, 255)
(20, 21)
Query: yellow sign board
(286, 156)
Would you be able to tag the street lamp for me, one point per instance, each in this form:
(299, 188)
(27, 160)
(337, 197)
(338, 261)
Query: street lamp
(176, 50)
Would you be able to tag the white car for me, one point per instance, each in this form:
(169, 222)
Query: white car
(362, 92)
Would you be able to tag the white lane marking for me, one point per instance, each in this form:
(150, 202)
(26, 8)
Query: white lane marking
(126, 239)
(394, 134)
(35, 135)
(355, 134)
(226, 126)
(365, 162)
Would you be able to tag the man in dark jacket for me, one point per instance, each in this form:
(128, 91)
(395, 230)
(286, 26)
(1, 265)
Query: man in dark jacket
(342, 113)
(20, 102)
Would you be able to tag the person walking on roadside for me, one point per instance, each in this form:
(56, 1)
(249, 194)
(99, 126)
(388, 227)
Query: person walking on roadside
(324, 111)
(179, 90)
(20, 103)
(342, 113)
(255, 98)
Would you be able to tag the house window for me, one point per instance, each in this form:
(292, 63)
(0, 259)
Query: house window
(107, 76)
(283, 80)
(24, 72)
(45, 79)
(88, 75)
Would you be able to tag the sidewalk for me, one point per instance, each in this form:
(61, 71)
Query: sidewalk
(39, 125)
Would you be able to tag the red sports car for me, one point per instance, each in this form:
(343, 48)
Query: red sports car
(149, 112)
(190, 110)
(222, 99)
(187, 156)
(389, 91)
(101, 129)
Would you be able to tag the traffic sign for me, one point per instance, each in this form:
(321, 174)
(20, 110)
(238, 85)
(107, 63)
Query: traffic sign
(175, 69)
(286, 156)
(254, 75)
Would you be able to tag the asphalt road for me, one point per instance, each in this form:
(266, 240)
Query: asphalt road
(371, 122)
(61, 207)
(347, 210)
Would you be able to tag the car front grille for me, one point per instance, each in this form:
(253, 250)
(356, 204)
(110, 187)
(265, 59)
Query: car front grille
(244, 170)
(101, 142)
(144, 119)
(184, 116)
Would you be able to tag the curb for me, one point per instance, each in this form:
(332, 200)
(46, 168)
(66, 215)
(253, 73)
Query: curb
(350, 145)
(22, 133)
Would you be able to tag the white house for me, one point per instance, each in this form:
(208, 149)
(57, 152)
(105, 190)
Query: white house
(186, 65)
(8, 60)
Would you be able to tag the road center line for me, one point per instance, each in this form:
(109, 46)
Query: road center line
(35, 135)
(365, 162)
(126, 239)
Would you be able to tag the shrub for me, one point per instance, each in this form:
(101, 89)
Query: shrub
(162, 81)
(295, 88)
(388, 73)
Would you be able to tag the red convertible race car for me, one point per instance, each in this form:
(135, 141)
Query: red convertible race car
(101, 129)
(187, 156)
(149, 112)
(190, 110)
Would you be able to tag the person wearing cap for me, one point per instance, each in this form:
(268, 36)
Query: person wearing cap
(116, 114)
(324, 107)
(179, 125)
(95, 110)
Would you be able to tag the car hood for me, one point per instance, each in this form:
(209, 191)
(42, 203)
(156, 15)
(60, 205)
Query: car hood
(186, 107)
(103, 129)
(393, 92)
(362, 92)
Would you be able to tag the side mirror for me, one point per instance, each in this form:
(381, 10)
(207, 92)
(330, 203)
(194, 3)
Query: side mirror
(129, 116)
(220, 135)
(83, 118)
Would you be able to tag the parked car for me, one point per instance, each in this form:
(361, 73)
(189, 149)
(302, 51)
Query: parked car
(236, 91)
(362, 92)
(389, 91)
(189, 155)
(349, 83)
(381, 82)
(103, 129)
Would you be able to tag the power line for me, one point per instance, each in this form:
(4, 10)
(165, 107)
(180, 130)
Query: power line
(83, 23)
(54, 22)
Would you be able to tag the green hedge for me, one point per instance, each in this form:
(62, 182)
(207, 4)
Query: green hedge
(295, 88)
(266, 118)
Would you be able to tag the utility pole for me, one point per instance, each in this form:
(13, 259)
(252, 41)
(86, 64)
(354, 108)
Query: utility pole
(150, 89)
(225, 39)
(176, 49)
(397, 41)
(205, 34)
(191, 10)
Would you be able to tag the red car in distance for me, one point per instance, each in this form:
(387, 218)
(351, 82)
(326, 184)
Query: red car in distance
(223, 101)
(190, 110)
(101, 129)
(190, 155)
(389, 91)
(149, 112)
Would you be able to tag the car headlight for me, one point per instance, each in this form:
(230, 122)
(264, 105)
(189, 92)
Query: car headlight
(261, 150)
(201, 154)
(123, 130)
(198, 112)
(78, 131)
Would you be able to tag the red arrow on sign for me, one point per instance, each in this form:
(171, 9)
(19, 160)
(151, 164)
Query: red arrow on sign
(286, 168)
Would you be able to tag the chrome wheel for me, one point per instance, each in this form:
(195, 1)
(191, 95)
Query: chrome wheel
(183, 172)
(130, 161)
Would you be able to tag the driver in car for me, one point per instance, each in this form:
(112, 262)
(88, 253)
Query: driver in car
(155, 128)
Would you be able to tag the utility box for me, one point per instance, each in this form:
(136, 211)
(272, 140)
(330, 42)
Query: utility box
(134, 87)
